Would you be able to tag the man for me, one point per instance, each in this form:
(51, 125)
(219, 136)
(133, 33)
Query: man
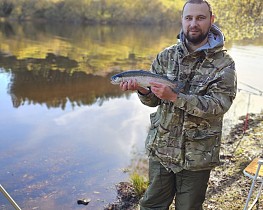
(184, 138)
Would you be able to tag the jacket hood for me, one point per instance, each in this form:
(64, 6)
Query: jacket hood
(215, 39)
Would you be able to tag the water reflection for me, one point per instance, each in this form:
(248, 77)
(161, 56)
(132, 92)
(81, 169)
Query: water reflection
(59, 157)
(56, 89)
(66, 132)
(95, 49)
(44, 59)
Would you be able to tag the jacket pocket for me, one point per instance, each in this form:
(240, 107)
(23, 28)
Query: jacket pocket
(202, 152)
(200, 84)
(154, 118)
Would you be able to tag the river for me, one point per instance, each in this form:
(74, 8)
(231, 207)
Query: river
(66, 132)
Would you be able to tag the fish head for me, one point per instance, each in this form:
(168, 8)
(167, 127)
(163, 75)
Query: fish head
(116, 79)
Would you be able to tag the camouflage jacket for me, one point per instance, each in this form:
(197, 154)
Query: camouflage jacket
(186, 134)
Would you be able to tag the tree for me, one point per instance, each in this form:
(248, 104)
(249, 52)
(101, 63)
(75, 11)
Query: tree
(239, 19)
(6, 8)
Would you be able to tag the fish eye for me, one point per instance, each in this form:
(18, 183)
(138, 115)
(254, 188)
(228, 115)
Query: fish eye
(116, 79)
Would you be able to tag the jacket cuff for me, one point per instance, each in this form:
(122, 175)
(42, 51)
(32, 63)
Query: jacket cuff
(180, 100)
(145, 97)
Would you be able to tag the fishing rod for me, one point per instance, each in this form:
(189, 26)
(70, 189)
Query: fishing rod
(245, 127)
(253, 88)
(260, 93)
(249, 92)
(9, 198)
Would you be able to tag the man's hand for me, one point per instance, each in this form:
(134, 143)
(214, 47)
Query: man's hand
(163, 91)
(133, 86)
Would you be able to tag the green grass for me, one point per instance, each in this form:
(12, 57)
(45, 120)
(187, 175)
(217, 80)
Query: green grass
(140, 183)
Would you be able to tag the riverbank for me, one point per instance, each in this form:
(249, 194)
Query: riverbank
(228, 187)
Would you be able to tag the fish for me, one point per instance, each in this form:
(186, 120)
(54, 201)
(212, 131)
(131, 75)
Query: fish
(143, 78)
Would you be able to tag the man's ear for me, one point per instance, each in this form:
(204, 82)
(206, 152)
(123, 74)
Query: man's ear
(212, 19)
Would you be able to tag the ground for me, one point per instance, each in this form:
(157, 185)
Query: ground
(228, 187)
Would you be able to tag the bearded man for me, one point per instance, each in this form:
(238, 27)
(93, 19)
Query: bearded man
(183, 142)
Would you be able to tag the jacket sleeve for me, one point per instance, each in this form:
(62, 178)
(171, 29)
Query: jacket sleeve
(149, 99)
(218, 98)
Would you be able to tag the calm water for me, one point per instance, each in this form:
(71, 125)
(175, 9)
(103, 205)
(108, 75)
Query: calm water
(66, 132)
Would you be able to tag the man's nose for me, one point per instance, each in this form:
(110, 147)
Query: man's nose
(193, 22)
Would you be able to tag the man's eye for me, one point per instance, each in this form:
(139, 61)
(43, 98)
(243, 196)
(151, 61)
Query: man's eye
(201, 18)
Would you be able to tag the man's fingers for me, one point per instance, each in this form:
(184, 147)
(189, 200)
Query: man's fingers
(124, 86)
(129, 85)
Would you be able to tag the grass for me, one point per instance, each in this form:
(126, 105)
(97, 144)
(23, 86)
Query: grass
(140, 183)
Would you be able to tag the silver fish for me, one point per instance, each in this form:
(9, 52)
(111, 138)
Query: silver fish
(143, 78)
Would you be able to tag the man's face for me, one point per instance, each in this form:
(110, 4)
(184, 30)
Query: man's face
(196, 22)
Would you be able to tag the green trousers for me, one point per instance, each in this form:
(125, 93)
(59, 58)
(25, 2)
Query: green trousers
(188, 188)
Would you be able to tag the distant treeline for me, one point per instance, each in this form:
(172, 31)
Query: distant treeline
(94, 11)
(238, 18)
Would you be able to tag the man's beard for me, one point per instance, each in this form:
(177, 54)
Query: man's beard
(195, 40)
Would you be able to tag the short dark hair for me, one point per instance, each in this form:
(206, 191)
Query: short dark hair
(199, 2)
